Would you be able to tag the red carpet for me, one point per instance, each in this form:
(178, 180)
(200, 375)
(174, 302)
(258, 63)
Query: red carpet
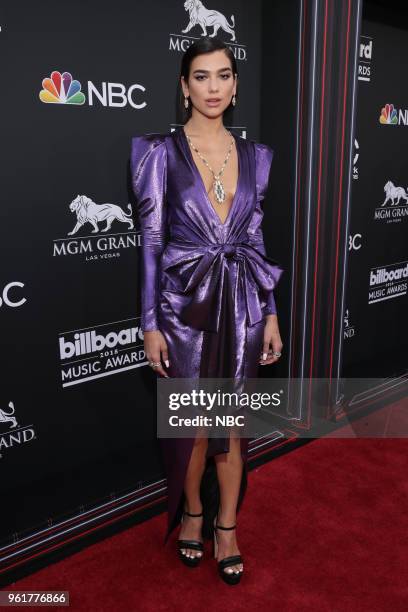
(323, 528)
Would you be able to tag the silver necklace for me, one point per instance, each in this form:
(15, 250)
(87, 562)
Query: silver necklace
(218, 187)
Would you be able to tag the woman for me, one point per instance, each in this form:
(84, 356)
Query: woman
(208, 307)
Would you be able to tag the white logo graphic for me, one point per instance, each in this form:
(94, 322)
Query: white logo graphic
(349, 330)
(95, 246)
(8, 299)
(392, 192)
(390, 283)
(355, 159)
(116, 95)
(366, 54)
(366, 49)
(16, 434)
(95, 352)
(8, 416)
(355, 242)
(356, 156)
(207, 18)
(395, 211)
(88, 212)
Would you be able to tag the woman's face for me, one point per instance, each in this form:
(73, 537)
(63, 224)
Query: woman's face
(211, 83)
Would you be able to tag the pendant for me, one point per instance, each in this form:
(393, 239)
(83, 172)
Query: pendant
(219, 191)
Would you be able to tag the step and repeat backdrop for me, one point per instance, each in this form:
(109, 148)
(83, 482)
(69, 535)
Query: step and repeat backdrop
(375, 329)
(77, 400)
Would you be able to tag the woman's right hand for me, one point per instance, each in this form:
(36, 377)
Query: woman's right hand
(154, 345)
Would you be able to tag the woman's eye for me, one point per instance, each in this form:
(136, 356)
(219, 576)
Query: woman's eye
(199, 77)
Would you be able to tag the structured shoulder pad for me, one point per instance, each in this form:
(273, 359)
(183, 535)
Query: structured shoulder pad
(148, 161)
(263, 158)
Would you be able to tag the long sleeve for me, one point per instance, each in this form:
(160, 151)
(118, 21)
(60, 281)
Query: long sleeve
(263, 157)
(149, 177)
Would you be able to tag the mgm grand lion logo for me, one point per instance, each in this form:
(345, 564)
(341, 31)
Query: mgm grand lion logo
(207, 18)
(394, 193)
(7, 417)
(88, 211)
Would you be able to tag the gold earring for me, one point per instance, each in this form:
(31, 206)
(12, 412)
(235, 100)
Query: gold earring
(233, 100)
(186, 102)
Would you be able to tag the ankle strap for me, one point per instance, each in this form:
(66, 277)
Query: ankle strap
(189, 513)
(221, 527)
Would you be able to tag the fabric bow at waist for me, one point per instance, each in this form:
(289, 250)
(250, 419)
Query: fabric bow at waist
(194, 277)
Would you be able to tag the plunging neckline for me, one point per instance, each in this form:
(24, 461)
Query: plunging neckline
(201, 181)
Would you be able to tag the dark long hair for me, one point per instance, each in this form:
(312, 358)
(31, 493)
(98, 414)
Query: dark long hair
(199, 47)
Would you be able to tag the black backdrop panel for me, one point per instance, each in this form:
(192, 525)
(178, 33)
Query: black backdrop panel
(376, 338)
(77, 400)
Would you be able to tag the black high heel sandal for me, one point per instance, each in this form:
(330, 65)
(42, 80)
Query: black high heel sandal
(231, 578)
(192, 544)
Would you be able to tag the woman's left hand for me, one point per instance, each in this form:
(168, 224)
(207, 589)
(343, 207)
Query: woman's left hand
(272, 341)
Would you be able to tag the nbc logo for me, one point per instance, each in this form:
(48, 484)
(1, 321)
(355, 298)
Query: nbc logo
(61, 89)
(392, 116)
(388, 115)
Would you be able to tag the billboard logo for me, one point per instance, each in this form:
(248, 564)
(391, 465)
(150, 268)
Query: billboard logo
(366, 50)
(95, 352)
(388, 283)
(365, 57)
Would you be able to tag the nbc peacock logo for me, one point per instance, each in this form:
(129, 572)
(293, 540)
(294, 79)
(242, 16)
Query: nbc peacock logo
(61, 89)
(388, 115)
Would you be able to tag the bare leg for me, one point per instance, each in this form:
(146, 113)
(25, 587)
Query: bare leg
(191, 526)
(229, 473)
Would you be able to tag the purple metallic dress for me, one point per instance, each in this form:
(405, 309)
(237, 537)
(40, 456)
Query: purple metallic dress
(206, 285)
